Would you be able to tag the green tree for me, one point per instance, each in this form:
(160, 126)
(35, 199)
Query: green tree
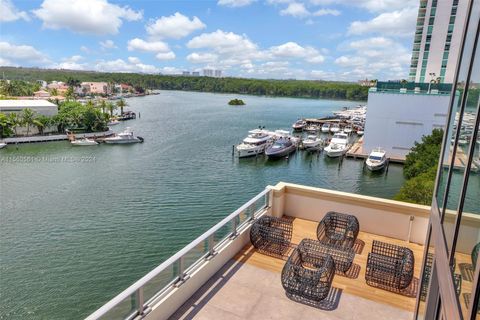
(28, 118)
(5, 126)
(70, 94)
(111, 107)
(418, 189)
(14, 121)
(42, 122)
(121, 104)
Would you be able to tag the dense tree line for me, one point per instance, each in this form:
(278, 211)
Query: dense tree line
(420, 169)
(281, 88)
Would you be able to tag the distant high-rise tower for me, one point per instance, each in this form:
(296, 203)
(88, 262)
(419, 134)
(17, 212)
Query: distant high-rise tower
(208, 72)
(218, 73)
(437, 40)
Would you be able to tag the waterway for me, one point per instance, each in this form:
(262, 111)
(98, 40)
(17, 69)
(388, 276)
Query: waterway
(80, 224)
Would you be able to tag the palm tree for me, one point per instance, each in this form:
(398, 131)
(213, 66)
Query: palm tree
(111, 107)
(121, 104)
(5, 126)
(14, 121)
(28, 117)
(42, 122)
(103, 105)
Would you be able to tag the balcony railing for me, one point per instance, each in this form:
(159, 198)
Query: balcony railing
(137, 299)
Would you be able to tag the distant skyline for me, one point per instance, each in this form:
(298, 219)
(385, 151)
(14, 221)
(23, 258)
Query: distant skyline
(309, 39)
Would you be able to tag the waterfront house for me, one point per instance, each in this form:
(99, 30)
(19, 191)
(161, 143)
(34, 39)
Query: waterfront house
(94, 88)
(41, 94)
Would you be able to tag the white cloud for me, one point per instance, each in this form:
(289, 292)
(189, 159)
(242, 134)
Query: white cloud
(346, 61)
(5, 62)
(107, 44)
(9, 13)
(148, 46)
(224, 43)
(119, 65)
(326, 12)
(86, 16)
(71, 63)
(85, 49)
(294, 50)
(202, 57)
(176, 26)
(21, 54)
(398, 23)
(295, 9)
(165, 55)
(134, 60)
(235, 3)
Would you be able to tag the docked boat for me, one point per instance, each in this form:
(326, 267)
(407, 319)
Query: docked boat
(2, 145)
(124, 137)
(376, 160)
(326, 127)
(311, 128)
(312, 142)
(83, 142)
(338, 145)
(299, 125)
(113, 122)
(255, 143)
(360, 131)
(348, 129)
(335, 128)
(280, 148)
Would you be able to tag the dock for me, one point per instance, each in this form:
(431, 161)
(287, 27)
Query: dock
(57, 137)
(356, 152)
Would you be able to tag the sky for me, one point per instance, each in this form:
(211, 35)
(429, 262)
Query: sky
(343, 40)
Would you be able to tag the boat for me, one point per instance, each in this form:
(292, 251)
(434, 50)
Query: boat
(338, 145)
(2, 145)
(280, 148)
(348, 129)
(312, 142)
(311, 128)
(360, 131)
(254, 144)
(124, 137)
(299, 125)
(113, 122)
(326, 127)
(83, 142)
(376, 160)
(335, 128)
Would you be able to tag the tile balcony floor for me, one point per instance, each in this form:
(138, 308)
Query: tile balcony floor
(249, 287)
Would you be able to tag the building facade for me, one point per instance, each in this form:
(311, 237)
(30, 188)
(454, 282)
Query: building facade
(438, 34)
(95, 88)
(398, 117)
(449, 283)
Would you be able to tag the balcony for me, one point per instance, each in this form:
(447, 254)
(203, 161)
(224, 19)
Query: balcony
(220, 275)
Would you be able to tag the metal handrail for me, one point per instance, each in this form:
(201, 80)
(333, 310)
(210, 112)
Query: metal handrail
(164, 265)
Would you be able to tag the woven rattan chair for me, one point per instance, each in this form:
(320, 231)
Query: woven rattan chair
(308, 275)
(271, 235)
(338, 229)
(343, 257)
(389, 266)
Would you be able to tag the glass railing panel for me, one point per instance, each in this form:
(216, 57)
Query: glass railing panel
(123, 310)
(196, 254)
(160, 281)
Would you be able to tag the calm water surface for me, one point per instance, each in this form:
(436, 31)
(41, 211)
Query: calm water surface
(80, 224)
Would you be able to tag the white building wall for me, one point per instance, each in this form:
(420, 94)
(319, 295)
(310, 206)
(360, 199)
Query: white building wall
(395, 120)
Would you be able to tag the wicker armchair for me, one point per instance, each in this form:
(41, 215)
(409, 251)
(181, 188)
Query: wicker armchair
(475, 255)
(343, 257)
(389, 266)
(338, 229)
(307, 275)
(271, 235)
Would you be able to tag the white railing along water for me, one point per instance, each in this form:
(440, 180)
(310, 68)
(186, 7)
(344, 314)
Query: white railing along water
(131, 302)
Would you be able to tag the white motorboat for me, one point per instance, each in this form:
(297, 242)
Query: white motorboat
(326, 127)
(335, 128)
(83, 142)
(348, 129)
(124, 137)
(2, 145)
(338, 145)
(113, 122)
(255, 143)
(376, 160)
(360, 131)
(299, 125)
(311, 128)
(312, 142)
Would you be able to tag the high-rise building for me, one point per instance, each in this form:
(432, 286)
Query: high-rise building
(208, 72)
(437, 40)
(218, 73)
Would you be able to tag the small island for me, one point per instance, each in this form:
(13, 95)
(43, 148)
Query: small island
(236, 102)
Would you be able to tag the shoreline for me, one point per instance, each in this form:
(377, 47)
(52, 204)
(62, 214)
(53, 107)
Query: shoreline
(56, 137)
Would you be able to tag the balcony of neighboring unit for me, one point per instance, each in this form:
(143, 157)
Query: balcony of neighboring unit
(412, 88)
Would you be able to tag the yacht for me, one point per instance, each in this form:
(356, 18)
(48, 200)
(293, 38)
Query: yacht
(311, 128)
(326, 127)
(338, 145)
(281, 148)
(312, 142)
(348, 129)
(254, 144)
(123, 138)
(83, 142)
(299, 125)
(376, 160)
(335, 128)
(360, 131)
(2, 145)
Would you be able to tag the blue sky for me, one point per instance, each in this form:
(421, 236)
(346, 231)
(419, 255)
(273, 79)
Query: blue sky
(302, 39)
